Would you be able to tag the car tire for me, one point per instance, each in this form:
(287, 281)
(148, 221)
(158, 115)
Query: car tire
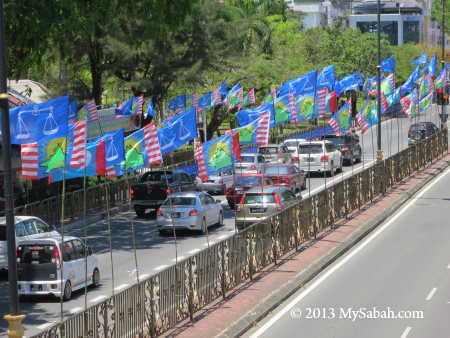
(67, 293)
(331, 171)
(417, 136)
(140, 211)
(96, 278)
(294, 189)
(359, 158)
(304, 184)
(224, 190)
(203, 228)
(162, 232)
(340, 166)
(220, 220)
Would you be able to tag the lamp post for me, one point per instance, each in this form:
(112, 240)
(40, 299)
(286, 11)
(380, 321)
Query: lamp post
(444, 85)
(15, 328)
(379, 155)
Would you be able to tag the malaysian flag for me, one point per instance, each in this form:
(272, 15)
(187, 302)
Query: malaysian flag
(240, 98)
(90, 110)
(430, 81)
(362, 123)
(198, 155)
(251, 97)
(274, 93)
(110, 172)
(294, 113)
(140, 104)
(322, 101)
(29, 154)
(152, 144)
(384, 103)
(195, 100)
(78, 157)
(262, 133)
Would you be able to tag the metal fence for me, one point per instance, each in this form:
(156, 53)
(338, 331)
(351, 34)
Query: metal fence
(161, 301)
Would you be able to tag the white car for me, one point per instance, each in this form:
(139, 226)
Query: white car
(293, 143)
(250, 163)
(218, 183)
(189, 210)
(319, 156)
(51, 266)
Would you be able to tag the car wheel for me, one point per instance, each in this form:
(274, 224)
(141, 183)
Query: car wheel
(67, 293)
(340, 167)
(220, 221)
(96, 278)
(162, 232)
(203, 228)
(224, 190)
(359, 158)
(417, 136)
(140, 211)
(331, 172)
(304, 184)
(294, 189)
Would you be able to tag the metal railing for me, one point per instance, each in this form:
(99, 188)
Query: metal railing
(161, 301)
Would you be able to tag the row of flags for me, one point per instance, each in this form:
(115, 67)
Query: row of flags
(57, 146)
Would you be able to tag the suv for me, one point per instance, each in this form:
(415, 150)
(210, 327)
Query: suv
(319, 156)
(153, 187)
(276, 153)
(420, 131)
(348, 145)
(250, 163)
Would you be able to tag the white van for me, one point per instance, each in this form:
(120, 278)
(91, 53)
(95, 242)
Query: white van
(27, 227)
(48, 266)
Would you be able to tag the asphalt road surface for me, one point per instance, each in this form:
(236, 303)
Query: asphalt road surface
(155, 253)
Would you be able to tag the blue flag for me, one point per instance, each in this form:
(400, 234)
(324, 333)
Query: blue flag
(431, 68)
(178, 103)
(30, 123)
(234, 97)
(407, 87)
(218, 154)
(284, 107)
(300, 85)
(421, 60)
(73, 112)
(305, 107)
(388, 65)
(177, 131)
(205, 102)
(247, 116)
(349, 82)
(150, 108)
(129, 107)
(326, 78)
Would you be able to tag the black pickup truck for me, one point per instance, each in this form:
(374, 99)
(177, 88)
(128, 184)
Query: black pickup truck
(154, 186)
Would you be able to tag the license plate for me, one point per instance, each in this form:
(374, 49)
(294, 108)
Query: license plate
(257, 210)
(35, 287)
(209, 181)
(238, 192)
(175, 215)
(309, 159)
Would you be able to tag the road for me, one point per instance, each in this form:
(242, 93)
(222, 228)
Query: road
(402, 269)
(154, 253)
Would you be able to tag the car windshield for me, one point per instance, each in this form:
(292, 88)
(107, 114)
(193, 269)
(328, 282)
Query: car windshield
(291, 143)
(247, 158)
(180, 201)
(259, 198)
(268, 150)
(248, 180)
(338, 140)
(310, 149)
(36, 254)
(156, 176)
(417, 127)
(276, 170)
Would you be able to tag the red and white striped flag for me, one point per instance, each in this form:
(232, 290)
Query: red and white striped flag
(217, 97)
(91, 108)
(322, 101)
(362, 123)
(240, 94)
(384, 102)
(78, 157)
(29, 154)
(152, 144)
(274, 93)
(140, 104)
(262, 133)
(251, 97)
(294, 113)
(198, 155)
(430, 81)
(110, 172)
(195, 101)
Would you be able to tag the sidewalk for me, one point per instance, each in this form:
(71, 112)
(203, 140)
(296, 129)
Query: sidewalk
(252, 301)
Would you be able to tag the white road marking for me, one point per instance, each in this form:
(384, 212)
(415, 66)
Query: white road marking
(431, 294)
(45, 325)
(223, 236)
(339, 264)
(96, 299)
(406, 332)
(143, 276)
(121, 287)
(193, 251)
(75, 310)
(160, 267)
(178, 259)
(448, 267)
(210, 243)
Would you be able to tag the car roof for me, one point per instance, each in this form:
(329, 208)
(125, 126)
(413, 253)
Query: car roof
(300, 140)
(317, 142)
(244, 174)
(267, 189)
(279, 165)
(251, 154)
(48, 240)
(187, 194)
(269, 145)
(18, 219)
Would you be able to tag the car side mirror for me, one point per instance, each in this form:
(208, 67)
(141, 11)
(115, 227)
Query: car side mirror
(90, 251)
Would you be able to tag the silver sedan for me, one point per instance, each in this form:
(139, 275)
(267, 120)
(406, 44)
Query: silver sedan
(189, 210)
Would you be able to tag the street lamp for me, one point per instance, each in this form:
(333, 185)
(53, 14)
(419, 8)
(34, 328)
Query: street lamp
(15, 328)
(379, 155)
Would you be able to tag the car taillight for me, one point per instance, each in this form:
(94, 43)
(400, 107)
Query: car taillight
(279, 154)
(253, 167)
(284, 179)
(221, 181)
(344, 149)
(57, 258)
(168, 191)
(132, 192)
(159, 213)
(193, 212)
(324, 158)
(278, 201)
(296, 159)
(229, 191)
(17, 253)
(425, 127)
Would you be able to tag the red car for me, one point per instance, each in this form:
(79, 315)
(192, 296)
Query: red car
(241, 184)
(287, 175)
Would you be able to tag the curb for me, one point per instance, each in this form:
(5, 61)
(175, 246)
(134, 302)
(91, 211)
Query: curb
(272, 301)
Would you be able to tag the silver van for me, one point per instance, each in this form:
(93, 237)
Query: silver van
(51, 266)
(27, 227)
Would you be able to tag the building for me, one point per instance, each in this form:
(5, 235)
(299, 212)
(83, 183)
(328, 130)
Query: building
(316, 13)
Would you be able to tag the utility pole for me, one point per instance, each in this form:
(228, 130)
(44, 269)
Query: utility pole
(15, 328)
(443, 114)
(379, 155)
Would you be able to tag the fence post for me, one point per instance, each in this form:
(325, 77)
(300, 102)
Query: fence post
(191, 292)
(223, 281)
